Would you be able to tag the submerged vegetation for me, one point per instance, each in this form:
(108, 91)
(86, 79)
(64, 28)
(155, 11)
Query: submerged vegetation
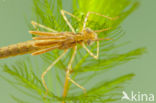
(85, 68)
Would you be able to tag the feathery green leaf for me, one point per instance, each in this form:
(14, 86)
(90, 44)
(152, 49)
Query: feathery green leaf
(85, 68)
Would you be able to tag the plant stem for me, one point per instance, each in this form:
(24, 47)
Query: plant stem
(69, 69)
(66, 86)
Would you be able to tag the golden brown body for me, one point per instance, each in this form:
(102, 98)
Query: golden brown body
(18, 49)
(46, 42)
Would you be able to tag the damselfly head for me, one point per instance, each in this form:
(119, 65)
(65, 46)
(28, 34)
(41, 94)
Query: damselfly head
(89, 35)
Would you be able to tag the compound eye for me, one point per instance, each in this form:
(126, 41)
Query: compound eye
(89, 42)
(88, 30)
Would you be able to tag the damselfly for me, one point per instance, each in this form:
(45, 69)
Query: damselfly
(47, 41)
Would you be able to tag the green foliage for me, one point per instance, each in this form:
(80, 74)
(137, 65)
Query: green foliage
(85, 68)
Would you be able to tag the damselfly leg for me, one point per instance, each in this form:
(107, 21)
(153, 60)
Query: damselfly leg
(49, 68)
(35, 24)
(69, 68)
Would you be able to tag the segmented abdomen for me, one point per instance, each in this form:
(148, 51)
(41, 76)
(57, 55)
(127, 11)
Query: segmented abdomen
(18, 49)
